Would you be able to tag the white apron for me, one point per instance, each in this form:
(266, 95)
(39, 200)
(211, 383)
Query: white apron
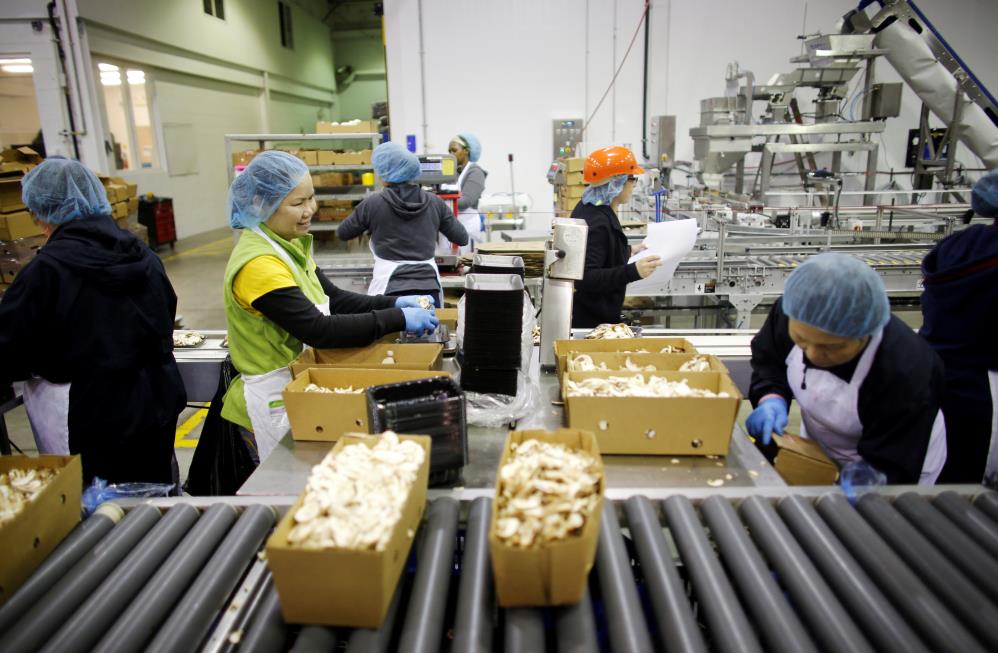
(47, 405)
(384, 269)
(469, 218)
(830, 411)
(262, 392)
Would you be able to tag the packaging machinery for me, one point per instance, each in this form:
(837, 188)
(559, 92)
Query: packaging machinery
(781, 569)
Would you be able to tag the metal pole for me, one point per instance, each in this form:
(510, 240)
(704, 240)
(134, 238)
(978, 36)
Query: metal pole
(422, 71)
(934, 622)
(576, 627)
(512, 190)
(147, 611)
(267, 632)
(855, 589)
(423, 626)
(190, 621)
(59, 603)
(375, 640)
(941, 575)
(78, 543)
(624, 618)
(974, 522)
(986, 502)
(105, 604)
(473, 625)
(524, 631)
(677, 627)
(832, 625)
(959, 547)
(780, 628)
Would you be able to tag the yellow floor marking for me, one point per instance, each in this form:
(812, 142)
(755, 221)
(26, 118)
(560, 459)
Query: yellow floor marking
(202, 249)
(179, 441)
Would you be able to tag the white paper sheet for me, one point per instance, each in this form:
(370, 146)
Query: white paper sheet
(671, 241)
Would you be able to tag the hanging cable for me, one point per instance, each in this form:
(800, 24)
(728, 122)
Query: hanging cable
(613, 80)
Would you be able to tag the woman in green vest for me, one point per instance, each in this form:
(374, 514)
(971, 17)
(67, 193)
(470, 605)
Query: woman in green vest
(277, 300)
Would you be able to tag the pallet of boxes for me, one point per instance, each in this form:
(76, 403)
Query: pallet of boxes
(20, 235)
(569, 186)
(124, 198)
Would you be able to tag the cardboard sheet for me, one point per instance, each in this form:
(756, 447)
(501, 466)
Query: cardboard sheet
(670, 240)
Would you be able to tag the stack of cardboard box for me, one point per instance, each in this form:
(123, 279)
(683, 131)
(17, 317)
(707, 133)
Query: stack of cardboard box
(568, 194)
(334, 210)
(20, 235)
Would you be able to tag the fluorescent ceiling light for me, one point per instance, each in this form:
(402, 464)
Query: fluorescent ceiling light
(106, 67)
(136, 77)
(5, 62)
(110, 79)
(17, 68)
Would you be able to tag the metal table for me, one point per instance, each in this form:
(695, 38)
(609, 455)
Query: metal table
(287, 468)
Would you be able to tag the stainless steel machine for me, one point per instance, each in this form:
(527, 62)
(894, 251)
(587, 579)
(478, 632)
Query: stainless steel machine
(564, 264)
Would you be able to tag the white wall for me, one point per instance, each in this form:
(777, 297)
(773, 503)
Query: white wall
(365, 51)
(504, 69)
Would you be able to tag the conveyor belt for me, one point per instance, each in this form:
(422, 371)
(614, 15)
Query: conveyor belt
(903, 572)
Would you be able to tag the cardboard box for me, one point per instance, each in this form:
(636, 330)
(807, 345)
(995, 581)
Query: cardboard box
(448, 316)
(574, 178)
(140, 231)
(616, 361)
(337, 204)
(325, 417)
(651, 345)
(9, 267)
(28, 538)
(10, 194)
(574, 164)
(309, 157)
(345, 587)
(801, 461)
(18, 225)
(19, 160)
(407, 357)
(119, 209)
(243, 158)
(677, 426)
(568, 204)
(133, 205)
(571, 192)
(324, 157)
(555, 573)
(346, 127)
(122, 222)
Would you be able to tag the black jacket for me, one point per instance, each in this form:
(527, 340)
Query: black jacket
(898, 400)
(95, 309)
(959, 311)
(599, 296)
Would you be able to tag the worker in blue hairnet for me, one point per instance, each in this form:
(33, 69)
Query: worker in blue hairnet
(869, 388)
(467, 149)
(277, 300)
(88, 323)
(403, 221)
(959, 311)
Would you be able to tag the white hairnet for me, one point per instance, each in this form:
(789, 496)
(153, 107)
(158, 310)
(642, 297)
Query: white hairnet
(259, 190)
(394, 163)
(60, 190)
(838, 294)
(471, 143)
(605, 192)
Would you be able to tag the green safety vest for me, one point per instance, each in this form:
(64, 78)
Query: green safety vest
(257, 345)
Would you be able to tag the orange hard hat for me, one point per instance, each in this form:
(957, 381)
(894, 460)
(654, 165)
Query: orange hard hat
(609, 162)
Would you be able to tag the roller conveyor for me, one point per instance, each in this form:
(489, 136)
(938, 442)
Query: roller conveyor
(782, 571)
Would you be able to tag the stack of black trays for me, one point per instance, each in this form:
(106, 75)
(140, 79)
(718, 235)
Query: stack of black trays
(433, 407)
(493, 315)
(495, 264)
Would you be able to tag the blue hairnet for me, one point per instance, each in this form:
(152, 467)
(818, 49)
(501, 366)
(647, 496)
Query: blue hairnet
(605, 192)
(60, 190)
(262, 186)
(471, 143)
(838, 294)
(394, 163)
(984, 197)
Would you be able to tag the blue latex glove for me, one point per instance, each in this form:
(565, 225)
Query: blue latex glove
(412, 301)
(418, 320)
(770, 415)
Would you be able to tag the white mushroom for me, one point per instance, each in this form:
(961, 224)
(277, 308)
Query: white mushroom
(636, 386)
(610, 332)
(696, 364)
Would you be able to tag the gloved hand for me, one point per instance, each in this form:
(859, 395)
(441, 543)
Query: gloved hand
(418, 320)
(770, 415)
(412, 301)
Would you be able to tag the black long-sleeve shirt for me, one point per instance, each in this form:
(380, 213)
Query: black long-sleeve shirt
(599, 296)
(355, 319)
(898, 400)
